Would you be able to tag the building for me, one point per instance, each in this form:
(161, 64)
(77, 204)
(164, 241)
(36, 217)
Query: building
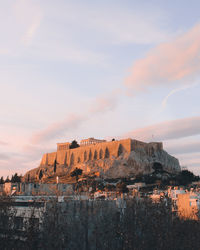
(10, 188)
(36, 189)
(90, 141)
(188, 205)
(185, 204)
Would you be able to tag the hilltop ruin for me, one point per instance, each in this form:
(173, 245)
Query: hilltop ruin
(120, 158)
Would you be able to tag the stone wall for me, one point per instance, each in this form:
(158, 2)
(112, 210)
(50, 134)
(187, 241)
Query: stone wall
(91, 152)
(104, 150)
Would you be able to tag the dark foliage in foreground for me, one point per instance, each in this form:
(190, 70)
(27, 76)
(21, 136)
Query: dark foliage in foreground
(76, 172)
(103, 225)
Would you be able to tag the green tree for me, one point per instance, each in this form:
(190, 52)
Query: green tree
(7, 179)
(110, 187)
(54, 166)
(149, 179)
(40, 174)
(122, 188)
(101, 186)
(185, 177)
(15, 178)
(76, 172)
(2, 180)
(157, 167)
(74, 144)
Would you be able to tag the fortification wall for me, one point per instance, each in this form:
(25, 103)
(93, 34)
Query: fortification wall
(104, 150)
(91, 152)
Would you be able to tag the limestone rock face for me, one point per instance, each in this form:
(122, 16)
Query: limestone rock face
(127, 164)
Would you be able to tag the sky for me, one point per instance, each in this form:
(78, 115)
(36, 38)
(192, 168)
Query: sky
(104, 69)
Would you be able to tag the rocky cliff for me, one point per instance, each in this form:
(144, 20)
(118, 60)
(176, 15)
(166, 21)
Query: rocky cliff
(127, 164)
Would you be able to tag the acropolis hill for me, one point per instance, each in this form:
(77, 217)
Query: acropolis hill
(114, 159)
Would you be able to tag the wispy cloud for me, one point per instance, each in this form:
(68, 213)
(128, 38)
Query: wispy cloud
(174, 91)
(168, 130)
(174, 62)
(32, 29)
(99, 105)
(4, 156)
(22, 158)
(188, 153)
(105, 103)
(183, 147)
(58, 129)
(3, 143)
(29, 16)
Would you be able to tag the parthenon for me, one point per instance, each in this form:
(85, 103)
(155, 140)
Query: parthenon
(90, 141)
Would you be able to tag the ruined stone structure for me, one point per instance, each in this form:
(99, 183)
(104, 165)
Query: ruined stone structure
(69, 157)
(90, 141)
(111, 159)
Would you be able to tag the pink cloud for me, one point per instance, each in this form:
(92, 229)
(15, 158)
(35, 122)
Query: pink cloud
(4, 156)
(99, 105)
(167, 130)
(57, 129)
(103, 104)
(2, 143)
(174, 61)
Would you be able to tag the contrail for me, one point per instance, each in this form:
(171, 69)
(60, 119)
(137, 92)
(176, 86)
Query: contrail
(174, 91)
